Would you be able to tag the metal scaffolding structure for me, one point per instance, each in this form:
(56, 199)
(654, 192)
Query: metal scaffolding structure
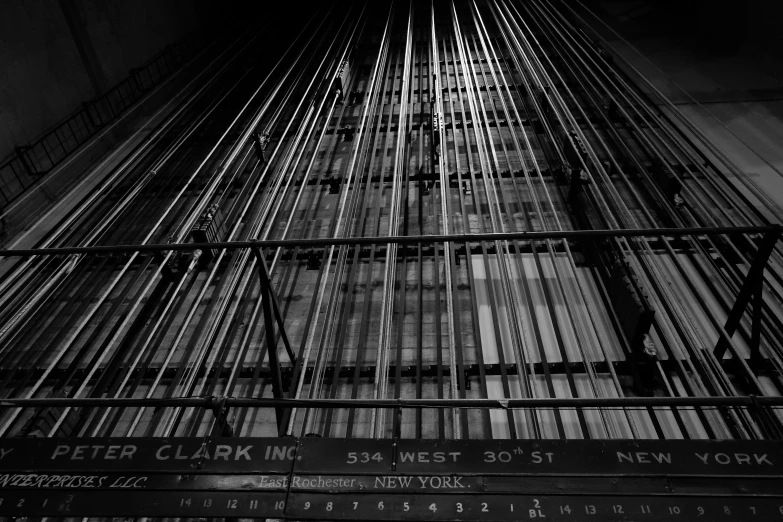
(457, 221)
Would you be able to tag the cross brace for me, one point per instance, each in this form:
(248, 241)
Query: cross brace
(752, 287)
(272, 315)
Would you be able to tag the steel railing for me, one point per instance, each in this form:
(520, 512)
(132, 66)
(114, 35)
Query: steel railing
(29, 163)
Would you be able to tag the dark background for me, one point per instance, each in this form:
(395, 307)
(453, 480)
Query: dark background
(44, 78)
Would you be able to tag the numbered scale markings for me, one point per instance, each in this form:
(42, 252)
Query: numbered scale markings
(516, 507)
(342, 506)
(142, 503)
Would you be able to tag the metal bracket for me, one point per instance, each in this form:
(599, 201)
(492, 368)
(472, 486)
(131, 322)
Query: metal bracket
(752, 287)
(221, 428)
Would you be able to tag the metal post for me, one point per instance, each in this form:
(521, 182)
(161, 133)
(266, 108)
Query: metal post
(754, 283)
(21, 153)
(92, 119)
(271, 344)
(275, 307)
(48, 156)
(755, 330)
(135, 74)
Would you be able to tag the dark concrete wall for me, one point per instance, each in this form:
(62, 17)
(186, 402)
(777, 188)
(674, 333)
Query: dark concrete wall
(765, 20)
(42, 74)
(716, 50)
(724, 55)
(127, 33)
(715, 25)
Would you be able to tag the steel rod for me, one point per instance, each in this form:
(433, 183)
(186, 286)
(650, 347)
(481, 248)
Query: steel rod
(399, 240)
(531, 403)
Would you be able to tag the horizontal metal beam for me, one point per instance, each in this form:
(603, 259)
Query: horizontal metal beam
(531, 403)
(762, 366)
(400, 240)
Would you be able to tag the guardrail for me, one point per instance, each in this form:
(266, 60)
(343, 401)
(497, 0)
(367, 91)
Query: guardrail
(29, 163)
